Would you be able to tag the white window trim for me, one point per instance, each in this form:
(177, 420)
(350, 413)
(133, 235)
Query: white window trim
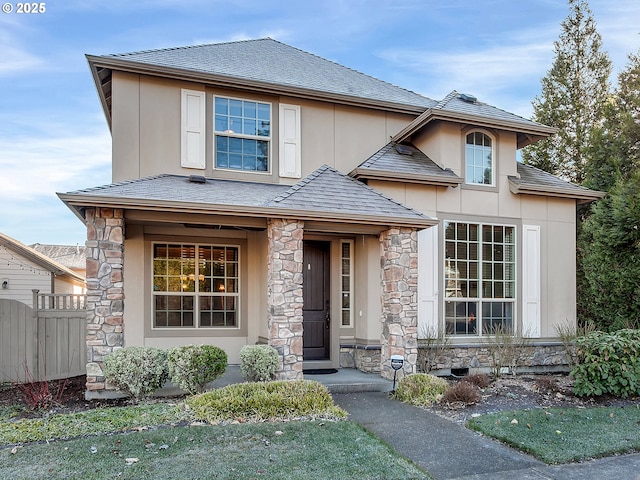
(479, 299)
(196, 313)
(268, 139)
(351, 284)
(494, 162)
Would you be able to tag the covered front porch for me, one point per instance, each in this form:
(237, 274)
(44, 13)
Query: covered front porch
(275, 237)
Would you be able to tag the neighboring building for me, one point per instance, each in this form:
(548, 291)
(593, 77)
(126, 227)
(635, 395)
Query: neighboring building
(72, 257)
(263, 194)
(23, 269)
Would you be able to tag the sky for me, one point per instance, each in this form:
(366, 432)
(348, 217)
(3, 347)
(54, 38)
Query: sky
(54, 136)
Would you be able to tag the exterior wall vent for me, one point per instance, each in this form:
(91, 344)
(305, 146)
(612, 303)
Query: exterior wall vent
(197, 179)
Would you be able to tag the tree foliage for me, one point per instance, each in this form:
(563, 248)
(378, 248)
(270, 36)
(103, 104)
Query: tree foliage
(574, 92)
(609, 239)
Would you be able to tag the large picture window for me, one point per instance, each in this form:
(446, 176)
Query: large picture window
(479, 159)
(479, 278)
(195, 286)
(242, 134)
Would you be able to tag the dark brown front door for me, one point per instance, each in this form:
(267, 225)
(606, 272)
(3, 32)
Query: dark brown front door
(315, 287)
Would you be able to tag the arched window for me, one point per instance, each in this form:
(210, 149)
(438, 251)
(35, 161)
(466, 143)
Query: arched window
(479, 159)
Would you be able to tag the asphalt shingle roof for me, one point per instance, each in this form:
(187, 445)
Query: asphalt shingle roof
(325, 192)
(533, 179)
(269, 61)
(177, 188)
(71, 256)
(454, 103)
(390, 162)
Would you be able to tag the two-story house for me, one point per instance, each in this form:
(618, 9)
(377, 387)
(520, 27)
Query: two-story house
(264, 194)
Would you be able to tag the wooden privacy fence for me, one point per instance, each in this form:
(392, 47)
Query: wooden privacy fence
(47, 341)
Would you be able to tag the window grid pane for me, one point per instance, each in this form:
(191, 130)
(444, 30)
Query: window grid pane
(208, 273)
(242, 134)
(479, 296)
(478, 158)
(346, 263)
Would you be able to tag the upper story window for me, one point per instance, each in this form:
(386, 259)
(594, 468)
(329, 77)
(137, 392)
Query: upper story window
(242, 134)
(479, 168)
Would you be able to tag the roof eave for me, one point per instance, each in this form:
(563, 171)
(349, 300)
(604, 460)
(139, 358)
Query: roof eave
(584, 197)
(77, 202)
(235, 82)
(370, 174)
(529, 131)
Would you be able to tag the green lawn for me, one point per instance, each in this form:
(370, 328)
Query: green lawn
(289, 450)
(561, 435)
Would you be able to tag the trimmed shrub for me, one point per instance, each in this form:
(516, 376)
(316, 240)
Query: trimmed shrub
(420, 389)
(462, 392)
(480, 380)
(258, 363)
(608, 363)
(137, 371)
(193, 366)
(281, 400)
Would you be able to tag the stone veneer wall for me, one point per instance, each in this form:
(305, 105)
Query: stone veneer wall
(542, 358)
(105, 289)
(284, 295)
(364, 359)
(399, 265)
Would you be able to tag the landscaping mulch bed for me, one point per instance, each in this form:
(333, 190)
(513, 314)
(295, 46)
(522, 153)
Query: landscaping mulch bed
(67, 397)
(526, 391)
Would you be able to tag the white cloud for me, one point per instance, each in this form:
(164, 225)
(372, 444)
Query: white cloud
(34, 167)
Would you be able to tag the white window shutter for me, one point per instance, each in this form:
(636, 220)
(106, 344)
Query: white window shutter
(290, 155)
(531, 281)
(192, 139)
(428, 281)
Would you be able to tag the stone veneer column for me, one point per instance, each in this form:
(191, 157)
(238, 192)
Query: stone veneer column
(105, 289)
(399, 263)
(284, 294)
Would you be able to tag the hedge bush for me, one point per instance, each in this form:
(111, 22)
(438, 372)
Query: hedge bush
(137, 371)
(280, 400)
(258, 363)
(191, 367)
(420, 389)
(608, 363)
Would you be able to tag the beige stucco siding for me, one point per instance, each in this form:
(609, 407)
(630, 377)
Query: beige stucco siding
(558, 259)
(556, 218)
(146, 130)
(138, 284)
(367, 316)
(125, 126)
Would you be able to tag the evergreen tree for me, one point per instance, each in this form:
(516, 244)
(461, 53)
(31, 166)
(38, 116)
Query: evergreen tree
(609, 240)
(573, 93)
(611, 259)
(614, 153)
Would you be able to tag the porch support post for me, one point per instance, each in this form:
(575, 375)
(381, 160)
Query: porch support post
(284, 294)
(399, 264)
(105, 291)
